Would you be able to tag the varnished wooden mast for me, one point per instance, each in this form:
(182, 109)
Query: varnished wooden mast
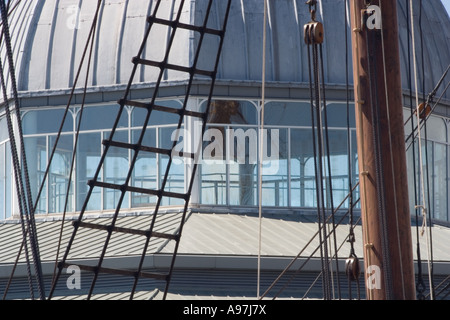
(388, 254)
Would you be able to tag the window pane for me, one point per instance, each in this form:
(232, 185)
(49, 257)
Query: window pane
(145, 173)
(213, 167)
(287, 114)
(36, 150)
(214, 184)
(102, 117)
(144, 176)
(301, 152)
(275, 168)
(46, 121)
(239, 163)
(242, 144)
(175, 179)
(243, 187)
(440, 181)
(232, 112)
(157, 117)
(339, 165)
(3, 130)
(88, 158)
(59, 175)
(115, 170)
(337, 115)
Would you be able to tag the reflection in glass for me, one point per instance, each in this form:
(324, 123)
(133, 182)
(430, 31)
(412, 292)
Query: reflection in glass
(46, 121)
(102, 117)
(175, 178)
(242, 177)
(88, 158)
(439, 175)
(145, 174)
(275, 172)
(59, 175)
(115, 171)
(36, 152)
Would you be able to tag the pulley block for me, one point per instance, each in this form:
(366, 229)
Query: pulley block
(352, 268)
(424, 112)
(313, 33)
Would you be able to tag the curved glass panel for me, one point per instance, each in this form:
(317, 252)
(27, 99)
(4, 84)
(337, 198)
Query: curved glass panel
(440, 187)
(3, 130)
(232, 112)
(287, 114)
(139, 115)
(88, 156)
(46, 121)
(337, 115)
(102, 117)
(436, 129)
(36, 150)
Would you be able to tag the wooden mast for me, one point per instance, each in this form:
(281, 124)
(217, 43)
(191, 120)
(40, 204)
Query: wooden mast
(388, 254)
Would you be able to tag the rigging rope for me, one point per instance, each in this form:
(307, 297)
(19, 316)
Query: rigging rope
(420, 285)
(288, 267)
(314, 35)
(20, 163)
(353, 261)
(46, 173)
(330, 180)
(430, 246)
(19, 187)
(425, 114)
(261, 144)
(422, 206)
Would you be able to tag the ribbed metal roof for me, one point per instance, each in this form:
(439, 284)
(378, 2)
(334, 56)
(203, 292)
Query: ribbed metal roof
(48, 43)
(217, 256)
(204, 235)
(230, 234)
(88, 243)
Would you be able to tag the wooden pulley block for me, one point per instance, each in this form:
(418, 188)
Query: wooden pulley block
(352, 268)
(424, 112)
(313, 32)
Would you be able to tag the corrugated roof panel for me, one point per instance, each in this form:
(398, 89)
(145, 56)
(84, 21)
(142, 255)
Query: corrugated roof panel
(88, 243)
(238, 235)
(229, 234)
(204, 234)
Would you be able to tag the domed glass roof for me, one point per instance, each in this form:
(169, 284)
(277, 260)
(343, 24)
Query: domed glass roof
(49, 38)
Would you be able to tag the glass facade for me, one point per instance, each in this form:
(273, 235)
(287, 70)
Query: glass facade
(435, 167)
(228, 174)
(288, 176)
